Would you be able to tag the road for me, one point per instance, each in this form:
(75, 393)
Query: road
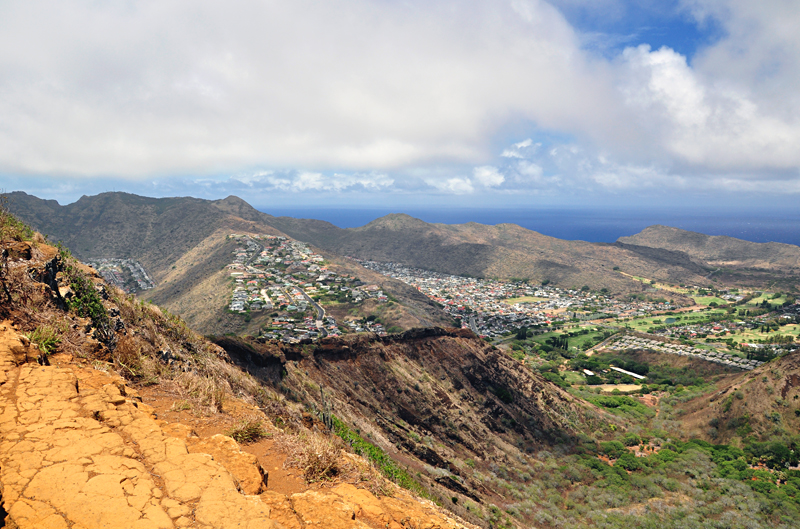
(320, 315)
(473, 325)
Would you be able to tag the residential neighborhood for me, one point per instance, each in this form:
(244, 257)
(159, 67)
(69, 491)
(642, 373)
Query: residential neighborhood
(494, 307)
(126, 274)
(635, 343)
(286, 279)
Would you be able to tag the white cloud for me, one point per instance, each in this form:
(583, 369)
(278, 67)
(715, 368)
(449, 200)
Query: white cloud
(369, 95)
(530, 170)
(518, 150)
(511, 153)
(488, 176)
(161, 87)
(454, 186)
(716, 126)
(298, 182)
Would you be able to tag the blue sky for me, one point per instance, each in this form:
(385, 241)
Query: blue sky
(377, 103)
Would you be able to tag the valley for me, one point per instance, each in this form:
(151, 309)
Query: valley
(629, 386)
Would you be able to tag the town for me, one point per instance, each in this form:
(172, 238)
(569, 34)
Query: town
(737, 328)
(126, 274)
(492, 308)
(288, 280)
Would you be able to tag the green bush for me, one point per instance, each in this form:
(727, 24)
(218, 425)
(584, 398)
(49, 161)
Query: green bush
(11, 227)
(46, 338)
(385, 464)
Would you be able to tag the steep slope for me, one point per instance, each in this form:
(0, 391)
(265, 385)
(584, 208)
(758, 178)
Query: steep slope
(79, 447)
(450, 407)
(156, 232)
(762, 403)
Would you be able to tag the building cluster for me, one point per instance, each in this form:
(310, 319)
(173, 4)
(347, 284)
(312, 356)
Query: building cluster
(126, 274)
(635, 343)
(482, 304)
(283, 276)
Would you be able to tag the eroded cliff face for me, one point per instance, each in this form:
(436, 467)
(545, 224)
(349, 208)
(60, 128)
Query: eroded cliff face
(445, 403)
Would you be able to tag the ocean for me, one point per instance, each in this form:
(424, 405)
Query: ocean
(593, 225)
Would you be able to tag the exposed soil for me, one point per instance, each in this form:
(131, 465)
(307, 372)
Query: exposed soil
(283, 480)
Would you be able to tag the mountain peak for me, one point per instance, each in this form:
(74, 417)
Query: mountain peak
(397, 221)
(234, 205)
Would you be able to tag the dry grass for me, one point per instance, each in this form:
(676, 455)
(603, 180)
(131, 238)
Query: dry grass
(317, 455)
(134, 359)
(248, 430)
(208, 394)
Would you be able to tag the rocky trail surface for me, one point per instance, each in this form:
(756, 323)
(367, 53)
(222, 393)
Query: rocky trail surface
(78, 449)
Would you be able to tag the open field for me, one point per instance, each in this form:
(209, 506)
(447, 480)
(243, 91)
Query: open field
(707, 300)
(524, 299)
(659, 285)
(608, 388)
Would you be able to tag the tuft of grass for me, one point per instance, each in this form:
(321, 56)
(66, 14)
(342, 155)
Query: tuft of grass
(181, 405)
(316, 454)
(248, 431)
(46, 339)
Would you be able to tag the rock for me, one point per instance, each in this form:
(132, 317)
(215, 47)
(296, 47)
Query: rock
(250, 477)
(18, 250)
(325, 510)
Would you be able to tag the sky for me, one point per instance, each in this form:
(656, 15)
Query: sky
(405, 103)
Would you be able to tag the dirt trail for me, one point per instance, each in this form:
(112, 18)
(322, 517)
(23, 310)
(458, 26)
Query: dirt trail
(78, 449)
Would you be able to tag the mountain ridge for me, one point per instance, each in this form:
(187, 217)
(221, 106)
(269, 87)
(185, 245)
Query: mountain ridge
(162, 230)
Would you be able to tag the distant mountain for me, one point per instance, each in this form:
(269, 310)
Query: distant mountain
(501, 251)
(183, 244)
(771, 265)
(719, 250)
(162, 233)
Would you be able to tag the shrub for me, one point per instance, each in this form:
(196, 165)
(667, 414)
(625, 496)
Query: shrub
(378, 457)
(632, 439)
(613, 449)
(10, 226)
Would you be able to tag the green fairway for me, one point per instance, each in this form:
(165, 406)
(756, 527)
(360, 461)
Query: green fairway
(707, 300)
(767, 296)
